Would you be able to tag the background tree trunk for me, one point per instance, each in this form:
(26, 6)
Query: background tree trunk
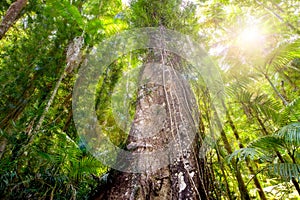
(11, 16)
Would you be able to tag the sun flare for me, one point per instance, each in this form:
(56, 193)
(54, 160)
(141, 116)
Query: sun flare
(250, 36)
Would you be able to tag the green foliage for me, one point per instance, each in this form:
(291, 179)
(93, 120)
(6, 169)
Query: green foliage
(286, 170)
(172, 14)
(267, 149)
(61, 172)
(290, 134)
(50, 162)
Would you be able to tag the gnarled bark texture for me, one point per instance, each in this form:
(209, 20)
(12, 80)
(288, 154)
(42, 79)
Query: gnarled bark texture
(11, 16)
(166, 111)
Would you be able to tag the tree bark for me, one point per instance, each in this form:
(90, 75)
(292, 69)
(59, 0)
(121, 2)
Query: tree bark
(3, 143)
(11, 16)
(166, 111)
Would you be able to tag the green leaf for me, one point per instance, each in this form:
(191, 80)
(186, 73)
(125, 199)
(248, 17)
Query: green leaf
(64, 9)
(286, 170)
(268, 144)
(93, 26)
(290, 134)
(244, 153)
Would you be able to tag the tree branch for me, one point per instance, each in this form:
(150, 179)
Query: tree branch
(11, 16)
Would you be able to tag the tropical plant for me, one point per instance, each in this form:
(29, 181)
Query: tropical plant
(278, 153)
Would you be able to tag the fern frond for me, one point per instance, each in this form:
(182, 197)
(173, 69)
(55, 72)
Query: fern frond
(84, 166)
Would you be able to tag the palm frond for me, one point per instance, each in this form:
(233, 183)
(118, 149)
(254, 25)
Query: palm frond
(290, 134)
(284, 54)
(263, 148)
(269, 107)
(294, 103)
(293, 109)
(286, 170)
(243, 154)
(268, 144)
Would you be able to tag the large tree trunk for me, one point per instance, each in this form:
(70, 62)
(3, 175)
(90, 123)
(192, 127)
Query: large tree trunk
(11, 16)
(166, 111)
